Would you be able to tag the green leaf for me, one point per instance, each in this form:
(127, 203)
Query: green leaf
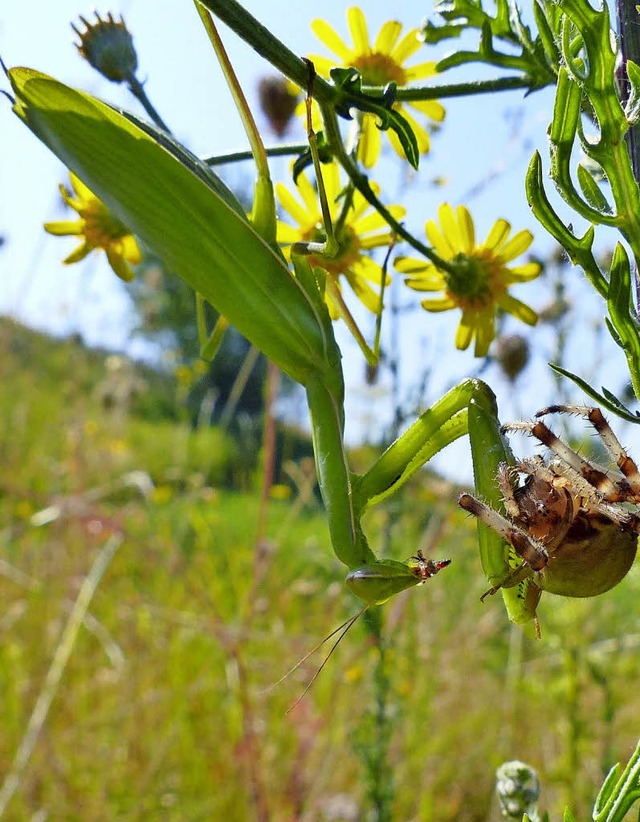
(349, 81)
(607, 399)
(607, 789)
(578, 248)
(592, 191)
(622, 313)
(632, 106)
(165, 197)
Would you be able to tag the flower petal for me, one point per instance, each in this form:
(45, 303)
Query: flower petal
(498, 234)
(293, 207)
(330, 38)
(467, 229)
(358, 28)
(517, 308)
(357, 280)
(410, 265)
(441, 241)
(516, 246)
(119, 266)
(485, 333)
(524, 273)
(465, 330)
(130, 249)
(310, 195)
(441, 304)
(65, 228)
(376, 222)
(409, 44)
(79, 254)
(433, 109)
(80, 188)
(369, 147)
(420, 71)
(450, 229)
(287, 233)
(387, 37)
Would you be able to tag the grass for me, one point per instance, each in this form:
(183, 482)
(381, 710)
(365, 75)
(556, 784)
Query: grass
(163, 711)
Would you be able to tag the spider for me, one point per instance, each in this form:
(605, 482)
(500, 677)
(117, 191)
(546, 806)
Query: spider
(565, 522)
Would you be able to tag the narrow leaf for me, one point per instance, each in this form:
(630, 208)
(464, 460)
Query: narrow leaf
(172, 205)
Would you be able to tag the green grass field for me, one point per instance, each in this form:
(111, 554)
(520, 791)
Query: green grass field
(163, 711)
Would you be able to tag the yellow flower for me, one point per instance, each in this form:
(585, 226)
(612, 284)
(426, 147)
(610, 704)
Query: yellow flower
(479, 281)
(358, 231)
(378, 65)
(99, 228)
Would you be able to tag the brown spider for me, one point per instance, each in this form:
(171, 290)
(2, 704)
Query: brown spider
(565, 521)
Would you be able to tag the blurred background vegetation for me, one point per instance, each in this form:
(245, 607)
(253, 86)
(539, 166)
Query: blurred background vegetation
(164, 710)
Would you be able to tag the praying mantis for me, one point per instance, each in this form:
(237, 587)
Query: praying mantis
(179, 207)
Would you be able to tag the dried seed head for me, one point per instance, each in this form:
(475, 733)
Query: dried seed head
(512, 355)
(107, 45)
(278, 102)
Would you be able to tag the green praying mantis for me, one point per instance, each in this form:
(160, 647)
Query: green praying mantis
(181, 209)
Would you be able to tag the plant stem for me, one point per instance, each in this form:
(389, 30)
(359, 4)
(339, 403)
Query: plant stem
(251, 130)
(292, 149)
(137, 89)
(629, 32)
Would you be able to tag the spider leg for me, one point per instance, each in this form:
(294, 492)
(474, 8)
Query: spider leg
(596, 503)
(605, 484)
(613, 445)
(505, 483)
(532, 552)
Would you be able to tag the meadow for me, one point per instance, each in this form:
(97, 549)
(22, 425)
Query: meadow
(165, 709)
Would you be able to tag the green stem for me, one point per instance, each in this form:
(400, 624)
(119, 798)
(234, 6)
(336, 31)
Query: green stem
(338, 300)
(268, 46)
(293, 149)
(361, 182)
(137, 89)
(474, 87)
(334, 477)
(251, 130)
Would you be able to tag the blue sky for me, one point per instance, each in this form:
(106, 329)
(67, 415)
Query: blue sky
(482, 139)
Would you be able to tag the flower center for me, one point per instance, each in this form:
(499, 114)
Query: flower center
(348, 249)
(476, 280)
(378, 69)
(101, 228)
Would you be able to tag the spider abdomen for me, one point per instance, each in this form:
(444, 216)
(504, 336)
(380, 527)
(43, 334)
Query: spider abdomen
(588, 565)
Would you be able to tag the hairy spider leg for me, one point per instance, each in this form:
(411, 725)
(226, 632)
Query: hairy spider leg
(606, 485)
(532, 552)
(614, 447)
(505, 478)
